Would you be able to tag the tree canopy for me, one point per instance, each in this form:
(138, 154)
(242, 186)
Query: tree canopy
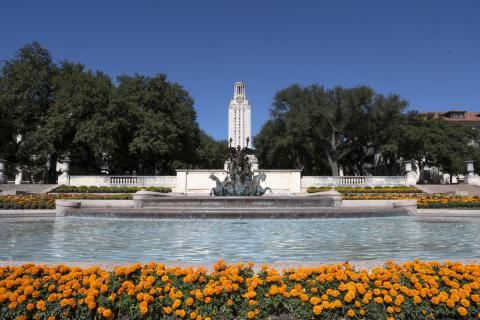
(356, 130)
(54, 110)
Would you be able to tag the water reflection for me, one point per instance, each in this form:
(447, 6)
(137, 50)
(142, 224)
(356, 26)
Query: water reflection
(102, 240)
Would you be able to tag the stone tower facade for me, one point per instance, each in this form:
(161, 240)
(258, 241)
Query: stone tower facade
(239, 117)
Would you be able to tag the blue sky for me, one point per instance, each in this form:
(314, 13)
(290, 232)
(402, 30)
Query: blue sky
(426, 51)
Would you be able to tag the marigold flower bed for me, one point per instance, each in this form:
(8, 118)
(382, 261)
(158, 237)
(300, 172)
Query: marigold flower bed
(367, 190)
(47, 201)
(413, 290)
(423, 200)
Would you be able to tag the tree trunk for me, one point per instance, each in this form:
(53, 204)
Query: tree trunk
(333, 164)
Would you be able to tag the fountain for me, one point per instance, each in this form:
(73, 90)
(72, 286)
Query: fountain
(239, 195)
(239, 180)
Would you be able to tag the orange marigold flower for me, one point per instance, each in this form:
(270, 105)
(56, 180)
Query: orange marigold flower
(317, 310)
(462, 311)
(41, 305)
(107, 313)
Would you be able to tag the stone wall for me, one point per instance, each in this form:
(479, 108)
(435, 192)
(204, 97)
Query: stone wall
(198, 181)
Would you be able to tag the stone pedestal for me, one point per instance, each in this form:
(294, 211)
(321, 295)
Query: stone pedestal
(64, 178)
(410, 176)
(471, 177)
(19, 176)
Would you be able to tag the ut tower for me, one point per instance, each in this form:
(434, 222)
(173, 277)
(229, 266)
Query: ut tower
(239, 117)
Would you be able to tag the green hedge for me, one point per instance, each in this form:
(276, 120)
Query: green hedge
(95, 189)
(318, 189)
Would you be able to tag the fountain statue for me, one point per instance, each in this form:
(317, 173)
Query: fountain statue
(240, 180)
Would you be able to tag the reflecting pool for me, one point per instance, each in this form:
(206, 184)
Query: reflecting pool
(204, 241)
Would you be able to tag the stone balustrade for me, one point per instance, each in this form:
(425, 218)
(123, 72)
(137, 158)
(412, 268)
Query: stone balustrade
(130, 181)
(124, 181)
(353, 181)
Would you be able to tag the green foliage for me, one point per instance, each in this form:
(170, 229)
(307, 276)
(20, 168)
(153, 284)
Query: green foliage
(318, 130)
(322, 130)
(143, 124)
(102, 189)
(434, 142)
(318, 189)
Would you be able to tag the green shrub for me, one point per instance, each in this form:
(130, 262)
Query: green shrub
(318, 189)
(104, 189)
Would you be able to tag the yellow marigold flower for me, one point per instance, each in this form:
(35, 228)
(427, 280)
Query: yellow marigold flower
(317, 310)
(351, 313)
(304, 297)
(193, 315)
(176, 304)
(251, 314)
(41, 305)
(181, 313)
(208, 300)
(387, 299)
(390, 309)
(362, 312)
(315, 300)
(230, 302)
(167, 310)
(417, 299)
(51, 318)
(107, 313)
(465, 303)
(462, 311)
(143, 307)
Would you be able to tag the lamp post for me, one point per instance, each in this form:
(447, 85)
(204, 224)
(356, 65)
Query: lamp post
(470, 167)
(3, 177)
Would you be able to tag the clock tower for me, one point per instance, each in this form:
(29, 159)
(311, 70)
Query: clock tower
(239, 117)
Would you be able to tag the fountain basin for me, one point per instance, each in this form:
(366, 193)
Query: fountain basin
(153, 205)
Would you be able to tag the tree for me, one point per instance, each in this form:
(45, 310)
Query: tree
(211, 153)
(26, 95)
(164, 132)
(433, 142)
(313, 128)
(147, 124)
